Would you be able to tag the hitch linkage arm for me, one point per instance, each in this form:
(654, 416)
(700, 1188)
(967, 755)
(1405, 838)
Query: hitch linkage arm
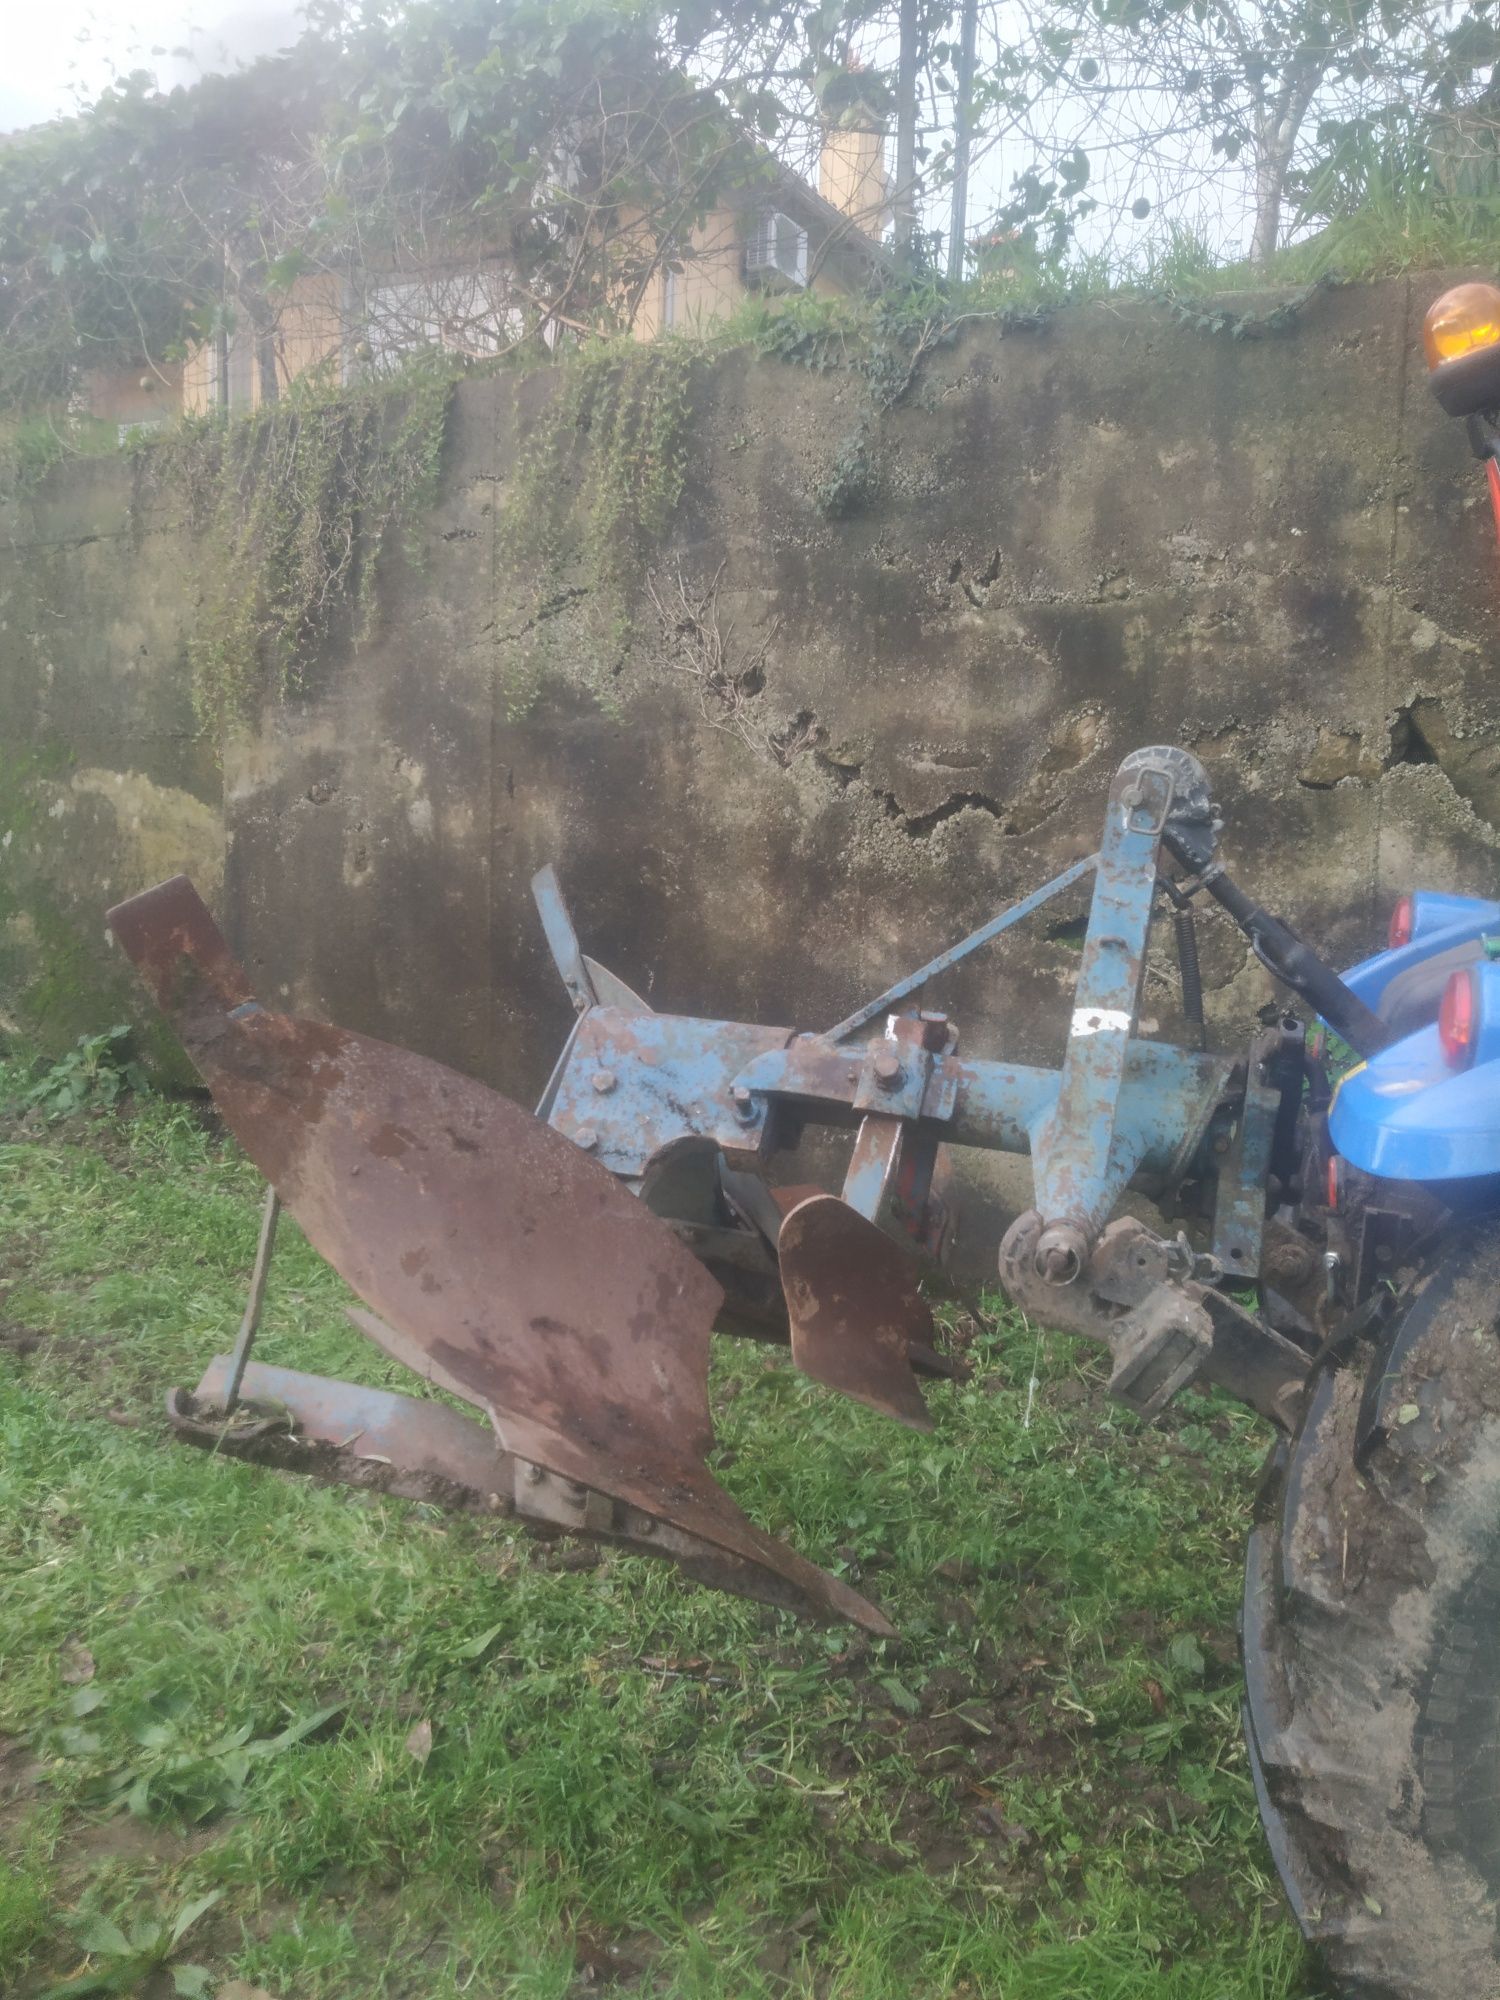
(1285, 955)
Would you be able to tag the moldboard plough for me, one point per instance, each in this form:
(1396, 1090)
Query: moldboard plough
(561, 1273)
(1335, 1265)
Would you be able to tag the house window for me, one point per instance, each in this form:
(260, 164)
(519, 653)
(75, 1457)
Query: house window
(463, 312)
(776, 253)
(229, 373)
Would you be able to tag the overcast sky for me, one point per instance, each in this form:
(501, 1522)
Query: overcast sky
(55, 47)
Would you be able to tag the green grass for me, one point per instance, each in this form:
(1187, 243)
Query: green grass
(1039, 1792)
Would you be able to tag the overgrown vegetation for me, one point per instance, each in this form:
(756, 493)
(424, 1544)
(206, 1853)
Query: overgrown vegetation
(415, 1753)
(592, 492)
(484, 176)
(95, 1073)
(471, 175)
(295, 506)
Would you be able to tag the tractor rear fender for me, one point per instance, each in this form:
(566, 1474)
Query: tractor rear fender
(1440, 923)
(1408, 1115)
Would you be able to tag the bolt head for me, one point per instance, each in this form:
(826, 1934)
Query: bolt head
(934, 1032)
(586, 1138)
(604, 1081)
(743, 1099)
(889, 1074)
(534, 1475)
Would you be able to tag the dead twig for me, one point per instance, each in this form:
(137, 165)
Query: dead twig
(729, 689)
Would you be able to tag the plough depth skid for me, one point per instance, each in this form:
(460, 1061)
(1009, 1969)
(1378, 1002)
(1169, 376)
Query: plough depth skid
(562, 1272)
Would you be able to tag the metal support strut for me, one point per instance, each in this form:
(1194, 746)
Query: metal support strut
(250, 1325)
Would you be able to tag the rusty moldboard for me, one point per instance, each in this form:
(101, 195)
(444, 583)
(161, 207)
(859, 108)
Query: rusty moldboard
(517, 1262)
(855, 1310)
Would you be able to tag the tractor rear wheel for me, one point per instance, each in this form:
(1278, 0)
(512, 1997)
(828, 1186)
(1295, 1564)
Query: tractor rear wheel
(1371, 1637)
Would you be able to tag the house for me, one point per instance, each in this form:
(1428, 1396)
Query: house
(773, 234)
(782, 236)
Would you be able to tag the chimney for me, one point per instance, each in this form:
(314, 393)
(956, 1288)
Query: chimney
(851, 165)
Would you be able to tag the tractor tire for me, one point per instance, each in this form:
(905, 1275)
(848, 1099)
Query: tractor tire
(1371, 1639)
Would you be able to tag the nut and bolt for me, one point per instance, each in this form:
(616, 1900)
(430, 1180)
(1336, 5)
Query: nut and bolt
(604, 1081)
(1289, 1262)
(743, 1099)
(534, 1475)
(586, 1138)
(934, 1032)
(889, 1075)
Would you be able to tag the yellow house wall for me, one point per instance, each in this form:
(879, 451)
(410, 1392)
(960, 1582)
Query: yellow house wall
(135, 395)
(711, 280)
(309, 334)
(310, 330)
(198, 381)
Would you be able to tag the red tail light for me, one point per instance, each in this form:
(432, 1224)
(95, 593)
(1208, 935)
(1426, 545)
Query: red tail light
(1458, 1017)
(1401, 917)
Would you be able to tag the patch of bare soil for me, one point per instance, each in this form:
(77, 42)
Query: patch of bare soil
(20, 1778)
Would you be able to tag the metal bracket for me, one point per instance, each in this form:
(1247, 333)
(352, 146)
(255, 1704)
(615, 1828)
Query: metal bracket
(562, 939)
(897, 1065)
(1140, 1297)
(956, 954)
(1240, 1211)
(1084, 1155)
(1156, 1330)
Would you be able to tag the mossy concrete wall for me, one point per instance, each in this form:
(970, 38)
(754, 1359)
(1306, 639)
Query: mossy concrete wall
(106, 783)
(1114, 530)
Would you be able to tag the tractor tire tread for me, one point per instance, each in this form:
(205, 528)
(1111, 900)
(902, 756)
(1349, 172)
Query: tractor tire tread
(1372, 1709)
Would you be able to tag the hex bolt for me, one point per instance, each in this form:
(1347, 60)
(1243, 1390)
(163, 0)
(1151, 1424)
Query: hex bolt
(889, 1075)
(534, 1475)
(586, 1138)
(934, 1032)
(743, 1099)
(604, 1081)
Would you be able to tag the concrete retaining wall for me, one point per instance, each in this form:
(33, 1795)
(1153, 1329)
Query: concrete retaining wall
(1114, 530)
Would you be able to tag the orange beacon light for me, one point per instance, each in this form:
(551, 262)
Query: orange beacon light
(1461, 340)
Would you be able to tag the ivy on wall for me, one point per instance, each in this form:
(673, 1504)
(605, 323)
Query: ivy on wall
(602, 469)
(885, 342)
(294, 507)
(592, 494)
